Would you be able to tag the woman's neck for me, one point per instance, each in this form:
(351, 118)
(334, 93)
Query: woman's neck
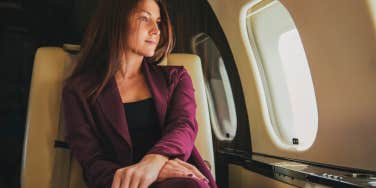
(130, 66)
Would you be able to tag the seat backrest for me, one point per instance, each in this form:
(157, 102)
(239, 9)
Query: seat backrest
(204, 141)
(51, 67)
(44, 162)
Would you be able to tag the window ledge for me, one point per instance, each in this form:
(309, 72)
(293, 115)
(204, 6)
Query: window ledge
(298, 173)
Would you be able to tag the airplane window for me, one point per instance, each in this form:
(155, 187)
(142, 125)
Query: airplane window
(218, 88)
(284, 70)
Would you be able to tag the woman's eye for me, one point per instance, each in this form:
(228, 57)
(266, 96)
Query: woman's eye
(143, 18)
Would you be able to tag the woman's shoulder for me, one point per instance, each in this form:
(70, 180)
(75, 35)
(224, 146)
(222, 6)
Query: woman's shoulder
(173, 69)
(173, 73)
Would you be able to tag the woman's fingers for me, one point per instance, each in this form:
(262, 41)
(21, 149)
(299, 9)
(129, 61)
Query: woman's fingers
(171, 174)
(192, 168)
(131, 178)
(172, 169)
(192, 175)
(176, 165)
(175, 168)
(126, 178)
(141, 174)
(117, 179)
(146, 181)
(135, 180)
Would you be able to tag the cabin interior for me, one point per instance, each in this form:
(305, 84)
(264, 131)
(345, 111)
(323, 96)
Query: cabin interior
(274, 120)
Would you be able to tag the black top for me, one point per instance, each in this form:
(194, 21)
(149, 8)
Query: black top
(143, 126)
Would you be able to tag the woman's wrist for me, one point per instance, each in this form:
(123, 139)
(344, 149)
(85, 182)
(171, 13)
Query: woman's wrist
(157, 158)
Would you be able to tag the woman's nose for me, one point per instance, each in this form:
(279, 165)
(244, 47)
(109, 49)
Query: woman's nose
(155, 29)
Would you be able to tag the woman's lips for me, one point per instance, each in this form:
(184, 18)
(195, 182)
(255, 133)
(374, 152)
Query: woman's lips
(151, 42)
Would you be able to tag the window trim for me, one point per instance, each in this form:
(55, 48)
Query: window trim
(266, 107)
(222, 134)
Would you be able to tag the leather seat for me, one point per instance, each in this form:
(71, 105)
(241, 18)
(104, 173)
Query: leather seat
(47, 163)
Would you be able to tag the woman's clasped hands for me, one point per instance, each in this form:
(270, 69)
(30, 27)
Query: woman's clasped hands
(154, 168)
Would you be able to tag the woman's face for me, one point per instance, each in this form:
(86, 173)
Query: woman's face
(144, 32)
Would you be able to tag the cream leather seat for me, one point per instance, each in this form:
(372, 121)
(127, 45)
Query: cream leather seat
(46, 163)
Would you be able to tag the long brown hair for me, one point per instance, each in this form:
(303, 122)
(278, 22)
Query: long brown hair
(104, 42)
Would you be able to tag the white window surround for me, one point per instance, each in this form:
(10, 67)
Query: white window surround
(279, 135)
(218, 91)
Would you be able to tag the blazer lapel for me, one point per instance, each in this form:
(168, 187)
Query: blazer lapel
(112, 107)
(158, 86)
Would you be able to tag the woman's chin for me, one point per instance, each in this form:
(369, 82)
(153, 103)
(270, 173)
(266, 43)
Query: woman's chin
(149, 54)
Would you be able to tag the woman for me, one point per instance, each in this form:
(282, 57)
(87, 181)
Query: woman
(131, 123)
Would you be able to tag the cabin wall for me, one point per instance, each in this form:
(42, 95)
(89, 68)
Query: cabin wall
(339, 40)
(340, 44)
(241, 177)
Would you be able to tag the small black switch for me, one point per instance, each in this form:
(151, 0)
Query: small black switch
(295, 141)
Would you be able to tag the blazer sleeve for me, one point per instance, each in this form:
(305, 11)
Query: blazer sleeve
(84, 144)
(180, 129)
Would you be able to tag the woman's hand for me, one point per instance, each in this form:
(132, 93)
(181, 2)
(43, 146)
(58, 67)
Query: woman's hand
(177, 168)
(140, 175)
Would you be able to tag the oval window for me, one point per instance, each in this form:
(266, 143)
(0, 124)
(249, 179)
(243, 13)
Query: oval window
(218, 88)
(285, 75)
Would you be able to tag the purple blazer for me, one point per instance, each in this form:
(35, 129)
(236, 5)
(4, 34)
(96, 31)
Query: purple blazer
(97, 133)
